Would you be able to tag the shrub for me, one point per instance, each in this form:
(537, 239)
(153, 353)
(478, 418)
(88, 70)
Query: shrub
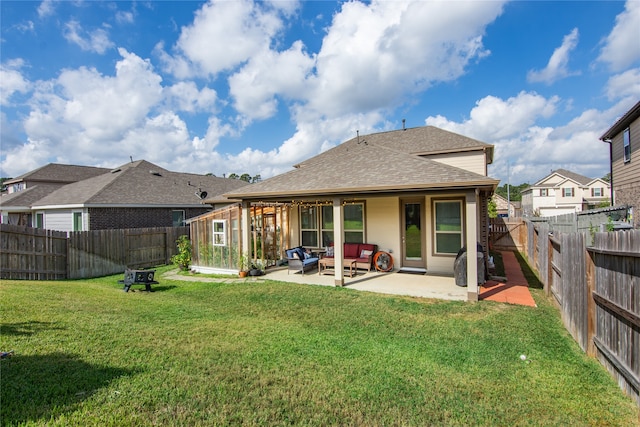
(183, 258)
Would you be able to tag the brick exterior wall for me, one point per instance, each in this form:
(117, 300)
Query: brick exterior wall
(117, 218)
(629, 195)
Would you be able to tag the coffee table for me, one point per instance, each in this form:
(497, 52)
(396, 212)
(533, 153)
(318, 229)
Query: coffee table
(327, 265)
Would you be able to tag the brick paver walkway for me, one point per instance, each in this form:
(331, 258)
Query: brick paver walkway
(516, 288)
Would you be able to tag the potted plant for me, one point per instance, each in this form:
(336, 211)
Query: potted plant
(257, 268)
(243, 264)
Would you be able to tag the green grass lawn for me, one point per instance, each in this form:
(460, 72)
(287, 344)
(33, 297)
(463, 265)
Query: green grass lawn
(267, 353)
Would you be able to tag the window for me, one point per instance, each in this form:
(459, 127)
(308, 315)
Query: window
(77, 221)
(448, 226)
(567, 192)
(317, 230)
(177, 218)
(219, 232)
(544, 192)
(39, 220)
(354, 223)
(597, 192)
(309, 226)
(626, 143)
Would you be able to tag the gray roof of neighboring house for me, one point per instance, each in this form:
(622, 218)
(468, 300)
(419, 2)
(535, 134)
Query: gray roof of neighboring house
(622, 123)
(580, 179)
(139, 183)
(54, 172)
(25, 198)
(377, 163)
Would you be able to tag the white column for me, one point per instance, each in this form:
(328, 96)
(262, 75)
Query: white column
(471, 229)
(245, 222)
(338, 241)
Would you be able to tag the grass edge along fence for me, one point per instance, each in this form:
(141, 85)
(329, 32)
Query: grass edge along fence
(28, 253)
(597, 289)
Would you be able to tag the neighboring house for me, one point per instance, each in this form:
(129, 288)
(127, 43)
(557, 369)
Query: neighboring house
(420, 194)
(562, 192)
(506, 208)
(23, 191)
(135, 195)
(623, 139)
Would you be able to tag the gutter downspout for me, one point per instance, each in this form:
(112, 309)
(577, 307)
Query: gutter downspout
(610, 142)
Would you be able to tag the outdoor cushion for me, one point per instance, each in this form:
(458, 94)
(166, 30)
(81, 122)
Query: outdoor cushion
(351, 250)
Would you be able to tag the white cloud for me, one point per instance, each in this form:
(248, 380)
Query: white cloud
(124, 17)
(267, 75)
(528, 150)
(621, 48)
(557, 67)
(185, 96)
(96, 41)
(12, 81)
(624, 85)
(218, 25)
(493, 118)
(375, 54)
(46, 8)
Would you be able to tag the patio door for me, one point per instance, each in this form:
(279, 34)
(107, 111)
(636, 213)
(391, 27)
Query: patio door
(413, 233)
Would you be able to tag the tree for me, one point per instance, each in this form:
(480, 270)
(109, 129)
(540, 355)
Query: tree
(492, 209)
(515, 191)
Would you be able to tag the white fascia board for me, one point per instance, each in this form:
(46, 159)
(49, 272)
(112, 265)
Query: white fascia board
(111, 205)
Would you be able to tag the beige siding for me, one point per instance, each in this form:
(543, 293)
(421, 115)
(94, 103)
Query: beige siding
(473, 161)
(627, 173)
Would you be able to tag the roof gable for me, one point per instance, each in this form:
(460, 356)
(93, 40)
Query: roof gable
(559, 175)
(363, 166)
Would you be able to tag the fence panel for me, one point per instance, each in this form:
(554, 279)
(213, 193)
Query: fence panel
(35, 254)
(574, 286)
(507, 233)
(32, 254)
(616, 257)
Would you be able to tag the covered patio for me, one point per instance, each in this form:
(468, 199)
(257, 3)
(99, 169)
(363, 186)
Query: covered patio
(393, 283)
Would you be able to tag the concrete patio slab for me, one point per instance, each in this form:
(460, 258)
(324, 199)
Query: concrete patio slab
(394, 283)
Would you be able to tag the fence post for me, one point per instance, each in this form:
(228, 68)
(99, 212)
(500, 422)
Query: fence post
(591, 305)
(549, 282)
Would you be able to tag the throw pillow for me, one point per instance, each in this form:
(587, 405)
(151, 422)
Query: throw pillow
(307, 255)
(365, 254)
(329, 251)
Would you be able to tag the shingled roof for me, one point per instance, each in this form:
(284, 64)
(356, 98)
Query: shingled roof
(55, 172)
(139, 183)
(387, 162)
(580, 179)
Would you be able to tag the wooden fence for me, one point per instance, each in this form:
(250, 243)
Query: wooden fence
(32, 253)
(35, 254)
(597, 289)
(507, 234)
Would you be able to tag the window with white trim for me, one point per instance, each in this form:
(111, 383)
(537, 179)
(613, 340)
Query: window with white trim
(77, 221)
(597, 192)
(177, 218)
(567, 192)
(448, 226)
(626, 143)
(219, 232)
(544, 192)
(39, 220)
(316, 224)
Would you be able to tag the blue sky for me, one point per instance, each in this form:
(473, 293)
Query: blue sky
(255, 87)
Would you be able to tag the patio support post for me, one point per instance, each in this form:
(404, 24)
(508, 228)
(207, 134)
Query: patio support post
(245, 227)
(471, 222)
(338, 241)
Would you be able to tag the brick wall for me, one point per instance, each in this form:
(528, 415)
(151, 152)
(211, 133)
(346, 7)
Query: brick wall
(629, 195)
(116, 218)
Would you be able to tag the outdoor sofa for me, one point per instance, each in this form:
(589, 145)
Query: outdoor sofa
(362, 252)
(299, 260)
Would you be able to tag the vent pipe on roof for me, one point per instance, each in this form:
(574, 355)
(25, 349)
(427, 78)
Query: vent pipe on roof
(404, 121)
